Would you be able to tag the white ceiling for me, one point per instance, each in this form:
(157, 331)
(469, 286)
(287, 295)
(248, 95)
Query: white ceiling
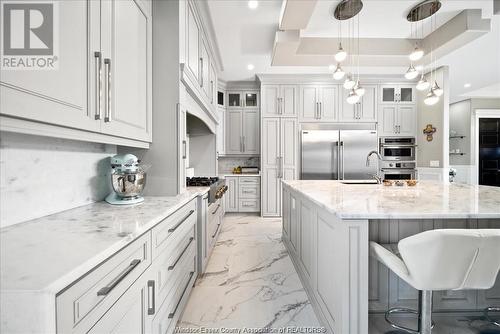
(246, 36)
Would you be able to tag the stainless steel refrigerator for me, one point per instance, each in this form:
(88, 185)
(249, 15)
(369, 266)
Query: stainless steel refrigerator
(337, 151)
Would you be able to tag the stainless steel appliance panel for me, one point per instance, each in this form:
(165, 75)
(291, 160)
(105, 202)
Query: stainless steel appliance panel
(398, 149)
(354, 146)
(320, 160)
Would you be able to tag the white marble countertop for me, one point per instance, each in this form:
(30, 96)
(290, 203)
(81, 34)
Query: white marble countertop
(425, 201)
(241, 175)
(49, 253)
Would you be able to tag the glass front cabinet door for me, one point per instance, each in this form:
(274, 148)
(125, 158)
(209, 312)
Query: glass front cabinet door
(397, 94)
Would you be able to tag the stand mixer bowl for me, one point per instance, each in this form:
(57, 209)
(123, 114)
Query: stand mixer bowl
(127, 184)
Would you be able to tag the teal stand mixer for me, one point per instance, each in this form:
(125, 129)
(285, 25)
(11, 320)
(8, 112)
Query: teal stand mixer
(128, 179)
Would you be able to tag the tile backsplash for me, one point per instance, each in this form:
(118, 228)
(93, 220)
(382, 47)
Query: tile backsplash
(41, 175)
(226, 164)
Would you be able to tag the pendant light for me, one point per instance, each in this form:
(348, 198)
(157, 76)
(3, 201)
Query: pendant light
(341, 55)
(353, 98)
(416, 54)
(423, 84)
(360, 91)
(339, 73)
(436, 89)
(411, 73)
(431, 98)
(349, 83)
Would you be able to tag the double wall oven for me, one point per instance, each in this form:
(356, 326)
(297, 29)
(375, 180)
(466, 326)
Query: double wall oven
(398, 158)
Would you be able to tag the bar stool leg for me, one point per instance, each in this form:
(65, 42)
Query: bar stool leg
(425, 312)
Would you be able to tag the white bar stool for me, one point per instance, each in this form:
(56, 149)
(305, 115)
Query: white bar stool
(448, 259)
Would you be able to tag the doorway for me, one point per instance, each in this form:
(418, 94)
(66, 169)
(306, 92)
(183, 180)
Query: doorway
(489, 152)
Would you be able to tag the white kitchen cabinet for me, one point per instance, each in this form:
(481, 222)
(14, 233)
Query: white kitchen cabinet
(279, 100)
(243, 99)
(242, 131)
(318, 103)
(363, 111)
(205, 69)
(193, 33)
(221, 131)
(103, 83)
(307, 244)
(126, 48)
(278, 159)
(397, 120)
(231, 196)
(402, 94)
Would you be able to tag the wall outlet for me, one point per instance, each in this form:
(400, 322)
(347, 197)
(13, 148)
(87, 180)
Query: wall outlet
(434, 163)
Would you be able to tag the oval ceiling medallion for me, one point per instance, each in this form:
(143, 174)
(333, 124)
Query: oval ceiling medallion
(347, 9)
(423, 10)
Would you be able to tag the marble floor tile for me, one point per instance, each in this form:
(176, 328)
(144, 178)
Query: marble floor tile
(250, 281)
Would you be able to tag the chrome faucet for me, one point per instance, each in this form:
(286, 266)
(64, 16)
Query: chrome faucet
(369, 155)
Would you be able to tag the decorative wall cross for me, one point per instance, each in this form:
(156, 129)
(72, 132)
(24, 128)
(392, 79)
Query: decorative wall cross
(429, 131)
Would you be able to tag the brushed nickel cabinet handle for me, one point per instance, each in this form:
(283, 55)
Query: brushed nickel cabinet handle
(114, 282)
(172, 266)
(201, 71)
(244, 139)
(172, 314)
(151, 297)
(216, 230)
(170, 230)
(98, 88)
(320, 110)
(107, 110)
(184, 149)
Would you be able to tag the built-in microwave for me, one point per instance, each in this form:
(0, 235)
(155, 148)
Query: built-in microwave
(397, 148)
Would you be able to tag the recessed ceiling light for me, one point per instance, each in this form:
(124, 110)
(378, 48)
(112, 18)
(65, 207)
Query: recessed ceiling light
(250, 67)
(467, 85)
(252, 4)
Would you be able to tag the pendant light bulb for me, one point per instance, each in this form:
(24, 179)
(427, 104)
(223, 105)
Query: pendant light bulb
(423, 84)
(349, 83)
(352, 98)
(339, 73)
(437, 90)
(360, 90)
(431, 98)
(411, 73)
(416, 54)
(341, 55)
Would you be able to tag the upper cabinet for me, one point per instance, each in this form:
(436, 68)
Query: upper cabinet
(199, 70)
(243, 99)
(279, 100)
(318, 103)
(103, 81)
(397, 120)
(404, 94)
(363, 111)
(242, 131)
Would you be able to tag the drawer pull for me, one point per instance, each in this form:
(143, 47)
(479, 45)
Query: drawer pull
(180, 255)
(151, 297)
(216, 230)
(182, 221)
(107, 289)
(172, 314)
(218, 206)
(248, 192)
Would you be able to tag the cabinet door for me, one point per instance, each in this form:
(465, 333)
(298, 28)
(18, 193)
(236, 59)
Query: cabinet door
(270, 94)
(231, 197)
(288, 100)
(270, 194)
(307, 244)
(126, 42)
(387, 120)
(205, 69)
(308, 103)
(367, 108)
(286, 214)
(295, 224)
(251, 100)
(289, 148)
(60, 96)
(234, 100)
(349, 111)
(251, 133)
(221, 128)
(193, 42)
(234, 131)
(181, 124)
(406, 120)
(328, 103)
(406, 94)
(388, 93)
(128, 314)
(213, 84)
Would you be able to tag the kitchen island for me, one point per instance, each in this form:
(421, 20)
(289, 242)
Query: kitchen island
(327, 226)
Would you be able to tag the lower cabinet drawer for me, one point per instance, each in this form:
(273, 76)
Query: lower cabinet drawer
(249, 191)
(170, 225)
(171, 308)
(249, 205)
(84, 302)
